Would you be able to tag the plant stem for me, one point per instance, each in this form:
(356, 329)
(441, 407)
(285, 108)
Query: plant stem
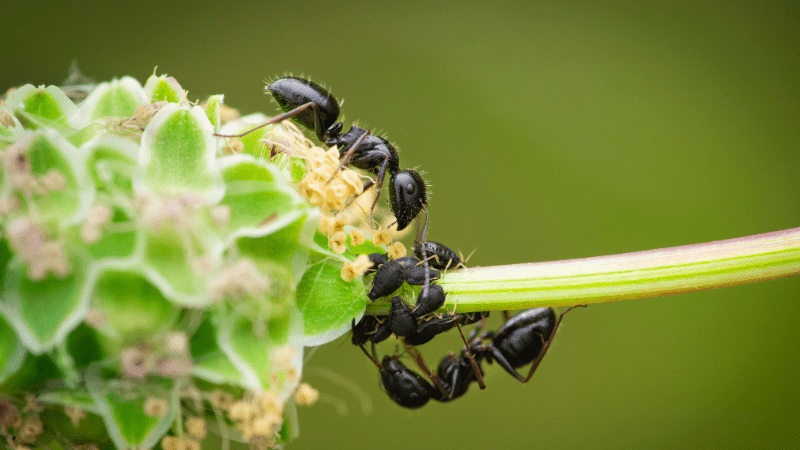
(652, 273)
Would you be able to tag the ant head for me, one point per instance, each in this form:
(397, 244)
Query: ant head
(408, 196)
(291, 92)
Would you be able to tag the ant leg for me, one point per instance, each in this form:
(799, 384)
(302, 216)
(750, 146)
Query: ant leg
(549, 340)
(349, 154)
(506, 315)
(417, 357)
(278, 118)
(374, 361)
(424, 253)
(471, 359)
(379, 185)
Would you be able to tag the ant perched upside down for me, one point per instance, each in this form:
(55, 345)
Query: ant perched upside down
(311, 106)
(523, 339)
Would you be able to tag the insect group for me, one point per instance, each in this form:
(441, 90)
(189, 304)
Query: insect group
(523, 339)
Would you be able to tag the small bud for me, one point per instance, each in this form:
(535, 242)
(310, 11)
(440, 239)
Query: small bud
(54, 180)
(155, 407)
(348, 273)
(196, 427)
(6, 119)
(381, 238)
(31, 429)
(75, 415)
(233, 147)
(306, 395)
(357, 237)
(221, 399)
(221, 215)
(397, 250)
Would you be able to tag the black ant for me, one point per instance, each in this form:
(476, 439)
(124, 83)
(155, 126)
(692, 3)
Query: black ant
(439, 255)
(401, 322)
(311, 106)
(405, 387)
(524, 338)
(390, 275)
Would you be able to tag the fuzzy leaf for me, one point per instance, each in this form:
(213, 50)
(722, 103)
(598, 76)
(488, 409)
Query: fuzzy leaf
(50, 104)
(118, 98)
(43, 312)
(131, 305)
(48, 151)
(161, 88)
(12, 353)
(287, 242)
(252, 141)
(256, 193)
(245, 343)
(125, 418)
(328, 303)
(213, 106)
(210, 363)
(178, 155)
(111, 160)
(69, 397)
(169, 266)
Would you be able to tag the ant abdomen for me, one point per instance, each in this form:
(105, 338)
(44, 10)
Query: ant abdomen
(292, 92)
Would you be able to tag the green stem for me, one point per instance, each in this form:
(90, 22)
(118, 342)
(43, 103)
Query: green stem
(652, 273)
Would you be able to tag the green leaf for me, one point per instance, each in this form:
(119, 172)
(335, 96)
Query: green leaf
(163, 88)
(111, 160)
(210, 363)
(178, 155)
(285, 241)
(213, 105)
(12, 353)
(125, 418)
(69, 397)
(118, 98)
(132, 306)
(216, 368)
(327, 302)
(252, 141)
(256, 193)
(250, 346)
(168, 265)
(48, 103)
(44, 312)
(48, 151)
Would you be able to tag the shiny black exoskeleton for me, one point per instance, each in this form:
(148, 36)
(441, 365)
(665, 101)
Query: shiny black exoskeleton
(456, 374)
(390, 275)
(402, 320)
(523, 339)
(438, 324)
(404, 387)
(313, 107)
(373, 329)
(439, 255)
(376, 259)
(430, 299)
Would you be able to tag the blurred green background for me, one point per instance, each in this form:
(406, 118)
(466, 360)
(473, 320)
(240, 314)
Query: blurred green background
(547, 130)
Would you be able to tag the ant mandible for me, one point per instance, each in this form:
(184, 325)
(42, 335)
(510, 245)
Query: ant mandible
(311, 106)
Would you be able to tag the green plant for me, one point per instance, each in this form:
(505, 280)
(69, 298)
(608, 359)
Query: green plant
(159, 284)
